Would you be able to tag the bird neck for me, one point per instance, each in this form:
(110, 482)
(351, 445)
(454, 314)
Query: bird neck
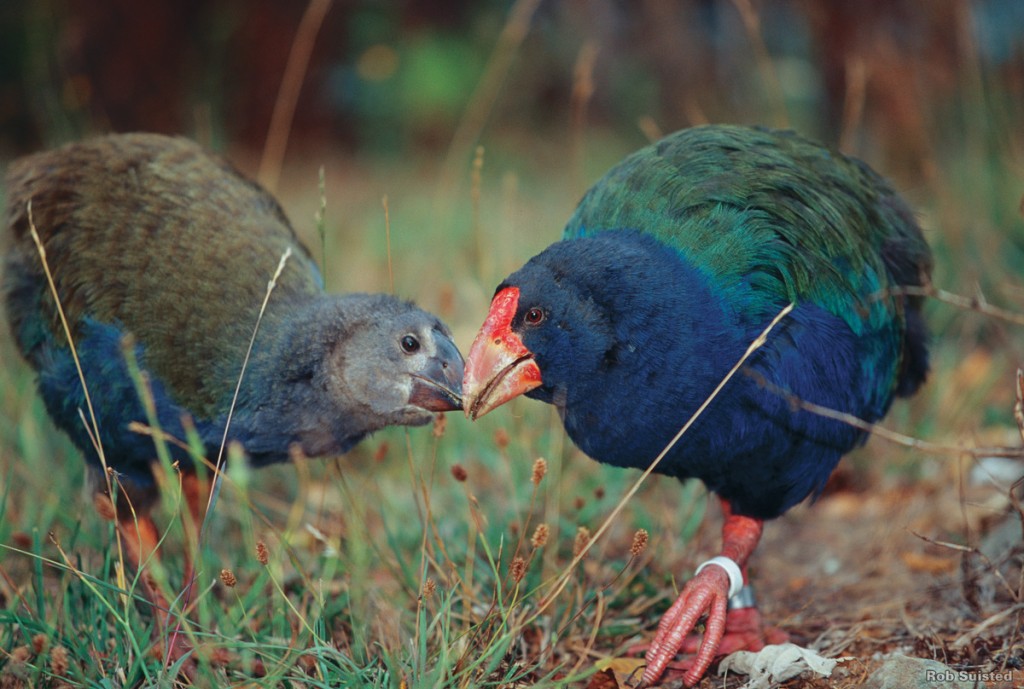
(670, 338)
(283, 400)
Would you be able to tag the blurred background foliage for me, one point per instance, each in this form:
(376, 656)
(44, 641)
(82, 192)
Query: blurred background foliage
(391, 77)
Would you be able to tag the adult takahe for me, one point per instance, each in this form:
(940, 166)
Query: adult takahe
(671, 266)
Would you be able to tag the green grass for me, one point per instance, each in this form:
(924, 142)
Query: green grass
(352, 543)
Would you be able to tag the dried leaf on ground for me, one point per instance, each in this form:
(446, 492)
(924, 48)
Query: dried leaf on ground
(625, 671)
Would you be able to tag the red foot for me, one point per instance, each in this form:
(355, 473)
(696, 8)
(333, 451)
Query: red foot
(179, 650)
(707, 593)
(743, 632)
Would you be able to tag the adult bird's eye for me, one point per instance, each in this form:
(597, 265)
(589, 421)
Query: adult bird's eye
(534, 316)
(410, 345)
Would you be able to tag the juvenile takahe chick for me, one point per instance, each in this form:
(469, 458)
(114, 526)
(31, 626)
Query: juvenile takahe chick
(669, 269)
(149, 236)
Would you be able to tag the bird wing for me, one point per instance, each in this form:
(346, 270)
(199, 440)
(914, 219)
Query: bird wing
(152, 235)
(769, 210)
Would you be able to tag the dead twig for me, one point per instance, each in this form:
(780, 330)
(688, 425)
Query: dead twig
(971, 550)
(882, 431)
(978, 303)
(965, 638)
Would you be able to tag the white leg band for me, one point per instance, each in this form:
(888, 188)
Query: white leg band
(731, 568)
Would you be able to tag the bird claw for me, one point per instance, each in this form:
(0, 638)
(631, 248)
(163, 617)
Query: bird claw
(706, 594)
(744, 631)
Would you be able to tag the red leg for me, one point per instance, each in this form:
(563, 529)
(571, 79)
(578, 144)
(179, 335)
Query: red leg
(193, 490)
(707, 593)
(139, 539)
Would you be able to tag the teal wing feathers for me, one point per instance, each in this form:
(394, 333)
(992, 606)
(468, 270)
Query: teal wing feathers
(776, 218)
(771, 210)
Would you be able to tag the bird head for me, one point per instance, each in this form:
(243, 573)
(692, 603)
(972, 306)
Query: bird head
(502, 366)
(398, 365)
(545, 333)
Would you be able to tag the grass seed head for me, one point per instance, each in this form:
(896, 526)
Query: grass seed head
(540, 536)
(540, 467)
(429, 587)
(459, 472)
(104, 506)
(228, 577)
(440, 423)
(582, 539)
(39, 643)
(517, 569)
(16, 670)
(262, 554)
(639, 542)
(59, 662)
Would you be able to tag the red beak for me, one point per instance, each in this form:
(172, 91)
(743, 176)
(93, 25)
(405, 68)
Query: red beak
(499, 367)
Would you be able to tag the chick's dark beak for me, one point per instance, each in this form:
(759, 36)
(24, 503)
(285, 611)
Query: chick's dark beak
(438, 385)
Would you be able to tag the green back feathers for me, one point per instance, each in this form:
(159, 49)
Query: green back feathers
(155, 236)
(771, 210)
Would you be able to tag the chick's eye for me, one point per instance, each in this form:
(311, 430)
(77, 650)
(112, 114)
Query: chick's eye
(410, 344)
(534, 316)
